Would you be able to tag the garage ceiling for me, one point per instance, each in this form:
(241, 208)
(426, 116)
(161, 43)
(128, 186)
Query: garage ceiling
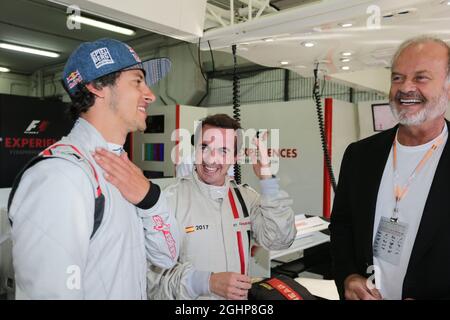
(320, 22)
(42, 24)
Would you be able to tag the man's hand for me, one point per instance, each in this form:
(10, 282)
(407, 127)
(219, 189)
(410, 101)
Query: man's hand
(123, 174)
(261, 166)
(230, 285)
(356, 289)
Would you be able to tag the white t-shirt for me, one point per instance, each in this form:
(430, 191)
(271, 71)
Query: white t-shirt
(388, 277)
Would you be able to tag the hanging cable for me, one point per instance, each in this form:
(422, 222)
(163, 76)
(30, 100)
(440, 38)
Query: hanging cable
(236, 107)
(212, 58)
(201, 69)
(317, 96)
(200, 60)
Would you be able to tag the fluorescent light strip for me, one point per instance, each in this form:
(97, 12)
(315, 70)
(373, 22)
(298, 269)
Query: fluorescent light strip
(38, 52)
(101, 25)
(346, 25)
(308, 44)
(2, 69)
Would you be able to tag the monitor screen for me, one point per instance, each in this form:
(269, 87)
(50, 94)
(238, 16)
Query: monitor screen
(155, 124)
(382, 117)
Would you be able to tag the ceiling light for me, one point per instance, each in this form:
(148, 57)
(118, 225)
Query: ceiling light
(346, 25)
(308, 44)
(3, 69)
(345, 68)
(347, 54)
(269, 40)
(283, 63)
(345, 59)
(448, 3)
(39, 52)
(101, 25)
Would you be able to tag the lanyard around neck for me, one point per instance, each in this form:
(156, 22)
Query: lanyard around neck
(399, 191)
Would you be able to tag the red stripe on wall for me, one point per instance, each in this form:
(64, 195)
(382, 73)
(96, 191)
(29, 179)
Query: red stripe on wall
(326, 177)
(177, 138)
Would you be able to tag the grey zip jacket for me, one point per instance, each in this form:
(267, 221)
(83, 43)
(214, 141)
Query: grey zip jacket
(53, 216)
(215, 238)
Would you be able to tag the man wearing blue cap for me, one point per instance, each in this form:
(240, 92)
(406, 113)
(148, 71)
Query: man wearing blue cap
(75, 235)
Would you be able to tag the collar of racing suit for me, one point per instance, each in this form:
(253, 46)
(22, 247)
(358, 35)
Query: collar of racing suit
(210, 191)
(88, 136)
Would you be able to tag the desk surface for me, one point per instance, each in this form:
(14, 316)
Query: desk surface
(308, 241)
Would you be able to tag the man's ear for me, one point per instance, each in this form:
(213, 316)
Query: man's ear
(95, 91)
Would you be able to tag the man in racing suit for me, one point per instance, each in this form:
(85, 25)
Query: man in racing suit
(61, 250)
(216, 227)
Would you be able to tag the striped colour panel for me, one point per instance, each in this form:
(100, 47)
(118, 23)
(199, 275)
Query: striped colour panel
(154, 152)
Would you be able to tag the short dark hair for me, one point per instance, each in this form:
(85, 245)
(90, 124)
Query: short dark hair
(224, 121)
(83, 99)
(221, 120)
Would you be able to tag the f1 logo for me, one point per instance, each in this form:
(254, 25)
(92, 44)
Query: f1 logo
(36, 126)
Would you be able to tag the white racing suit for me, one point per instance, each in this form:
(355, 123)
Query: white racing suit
(52, 217)
(213, 240)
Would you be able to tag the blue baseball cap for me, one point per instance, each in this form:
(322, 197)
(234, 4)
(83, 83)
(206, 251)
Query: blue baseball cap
(92, 60)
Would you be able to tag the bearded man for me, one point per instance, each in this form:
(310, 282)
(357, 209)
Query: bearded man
(391, 213)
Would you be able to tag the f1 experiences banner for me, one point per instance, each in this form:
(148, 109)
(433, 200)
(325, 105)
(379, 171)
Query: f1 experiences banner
(27, 126)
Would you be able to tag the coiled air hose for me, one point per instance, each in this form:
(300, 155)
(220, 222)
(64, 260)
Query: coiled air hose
(236, 107)
(317, 99)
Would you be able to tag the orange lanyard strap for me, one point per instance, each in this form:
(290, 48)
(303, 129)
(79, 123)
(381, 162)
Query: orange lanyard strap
(399, 191)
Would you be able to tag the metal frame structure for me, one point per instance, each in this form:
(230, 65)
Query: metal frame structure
(250, 9)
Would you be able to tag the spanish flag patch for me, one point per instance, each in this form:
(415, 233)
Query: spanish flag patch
(189, 229)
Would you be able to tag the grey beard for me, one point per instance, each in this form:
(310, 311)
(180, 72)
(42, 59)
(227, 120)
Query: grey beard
(430, 111)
